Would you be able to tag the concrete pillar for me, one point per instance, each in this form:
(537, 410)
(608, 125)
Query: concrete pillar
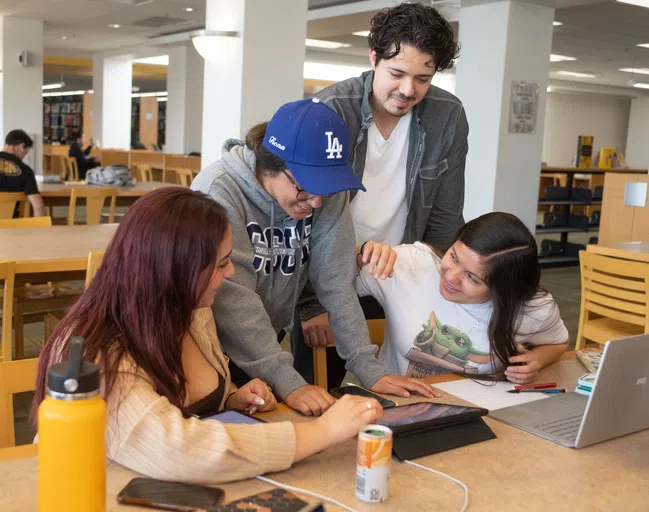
(21, 101)
(112, 80)
(637, 142)
(502, 168)
(257, 72)
(185, 100)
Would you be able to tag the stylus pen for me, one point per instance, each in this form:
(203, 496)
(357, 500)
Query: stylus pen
(546, 391)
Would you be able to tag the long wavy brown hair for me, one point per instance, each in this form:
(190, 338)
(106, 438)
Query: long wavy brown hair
(142, 299)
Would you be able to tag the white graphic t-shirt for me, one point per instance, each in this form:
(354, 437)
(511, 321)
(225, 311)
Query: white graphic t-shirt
(428, 335)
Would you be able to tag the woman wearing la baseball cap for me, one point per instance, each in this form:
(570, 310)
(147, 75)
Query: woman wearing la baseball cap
(285, 193)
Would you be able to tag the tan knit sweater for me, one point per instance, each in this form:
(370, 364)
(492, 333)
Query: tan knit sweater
(149, 435)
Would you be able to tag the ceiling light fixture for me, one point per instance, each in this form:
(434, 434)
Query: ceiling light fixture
(114, 25)
(64, 37)
(644, 45)
(560, 58)
(641, 85)
(158, 60)
(149, 94)
(556, 23)
(319, 43)
(188, 9)
(362, 33)
(575, 74)
(640, 71)
(66, 93)
(639, 3)
(57, 85)
(210, 43)
(549, 89)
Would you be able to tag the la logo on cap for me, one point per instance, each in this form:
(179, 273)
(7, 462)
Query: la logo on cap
(335, 148)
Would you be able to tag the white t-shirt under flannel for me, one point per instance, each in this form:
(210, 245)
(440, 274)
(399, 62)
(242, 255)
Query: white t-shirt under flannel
(420, 319)
(380, 214)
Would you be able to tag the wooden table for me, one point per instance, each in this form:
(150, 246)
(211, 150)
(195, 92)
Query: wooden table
(58, 194)
(516, 471)
(636, 251)
(53, 254)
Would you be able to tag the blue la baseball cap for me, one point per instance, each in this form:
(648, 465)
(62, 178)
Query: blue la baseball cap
(313, 140)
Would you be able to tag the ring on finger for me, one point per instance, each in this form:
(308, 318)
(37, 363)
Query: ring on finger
(369, 405)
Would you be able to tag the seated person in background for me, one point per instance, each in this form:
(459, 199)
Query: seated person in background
(16, 176)
(480, 305)
(146, 321)
(289, 223)
(84, 162)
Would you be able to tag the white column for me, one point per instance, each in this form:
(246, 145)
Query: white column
(185, 100)
(502, 168)
(637, 142)
(112, 80)
(258, 72)
(21, 101)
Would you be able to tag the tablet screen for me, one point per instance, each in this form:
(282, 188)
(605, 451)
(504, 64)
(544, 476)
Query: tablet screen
(231, 416)
(422, 411)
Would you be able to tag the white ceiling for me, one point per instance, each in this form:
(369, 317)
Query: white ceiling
(601, 34)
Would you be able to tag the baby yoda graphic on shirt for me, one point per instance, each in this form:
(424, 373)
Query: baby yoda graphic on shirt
(440, 348)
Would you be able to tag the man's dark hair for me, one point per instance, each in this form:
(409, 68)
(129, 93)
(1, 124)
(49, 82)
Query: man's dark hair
(415, 25)
(76, 134)
(17, 137)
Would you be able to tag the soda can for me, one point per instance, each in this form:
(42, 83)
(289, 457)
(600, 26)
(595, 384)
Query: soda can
(373, 463)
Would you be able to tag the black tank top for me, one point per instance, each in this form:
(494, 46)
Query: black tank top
(209, 404)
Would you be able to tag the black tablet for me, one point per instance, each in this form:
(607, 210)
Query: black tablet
(427, 416)
(232, 416)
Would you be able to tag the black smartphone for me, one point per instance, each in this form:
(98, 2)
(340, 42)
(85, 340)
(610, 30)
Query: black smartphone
(163, 495)
(359, 391)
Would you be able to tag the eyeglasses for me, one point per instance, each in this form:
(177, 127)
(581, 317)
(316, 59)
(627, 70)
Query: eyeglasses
(302, 195)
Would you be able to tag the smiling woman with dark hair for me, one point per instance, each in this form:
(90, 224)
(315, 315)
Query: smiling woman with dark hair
(146, 321)
(476, 309)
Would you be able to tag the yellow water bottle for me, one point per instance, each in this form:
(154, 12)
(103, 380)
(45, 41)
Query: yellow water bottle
(71, 438)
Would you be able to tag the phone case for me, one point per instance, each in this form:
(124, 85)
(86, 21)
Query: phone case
(274, 500)
(149, 492)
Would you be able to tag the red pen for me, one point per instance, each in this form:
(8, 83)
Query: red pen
(544, 385)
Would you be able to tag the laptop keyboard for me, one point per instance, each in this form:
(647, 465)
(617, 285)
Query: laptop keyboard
(567, 428)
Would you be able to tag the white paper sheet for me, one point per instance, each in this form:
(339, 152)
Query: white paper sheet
(486, 396)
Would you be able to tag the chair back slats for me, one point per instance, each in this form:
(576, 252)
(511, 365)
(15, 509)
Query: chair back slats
(8, 202)
(95, 198)
(94, 261)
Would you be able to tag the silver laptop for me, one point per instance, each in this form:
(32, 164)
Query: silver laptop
(618, 404)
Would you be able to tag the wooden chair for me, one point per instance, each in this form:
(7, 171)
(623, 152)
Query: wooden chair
(95, 198)
(62, 166)
(54, 317)
(377, 335)
(145, 171)
(8, 202)
(28, 222)
(15, 377)
(94, 261)
(32, 302)
(73, 168)
(614, 298)
(185, 177)
(7, 275)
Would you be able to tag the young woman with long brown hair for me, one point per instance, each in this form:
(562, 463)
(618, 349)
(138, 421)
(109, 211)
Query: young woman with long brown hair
(146, 321)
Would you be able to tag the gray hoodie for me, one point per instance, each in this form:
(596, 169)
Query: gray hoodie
(256, 303)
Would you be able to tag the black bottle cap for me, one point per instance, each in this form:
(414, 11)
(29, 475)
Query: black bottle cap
(74, 376)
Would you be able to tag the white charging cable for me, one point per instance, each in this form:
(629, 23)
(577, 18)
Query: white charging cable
(461, 484)
(308, 493)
